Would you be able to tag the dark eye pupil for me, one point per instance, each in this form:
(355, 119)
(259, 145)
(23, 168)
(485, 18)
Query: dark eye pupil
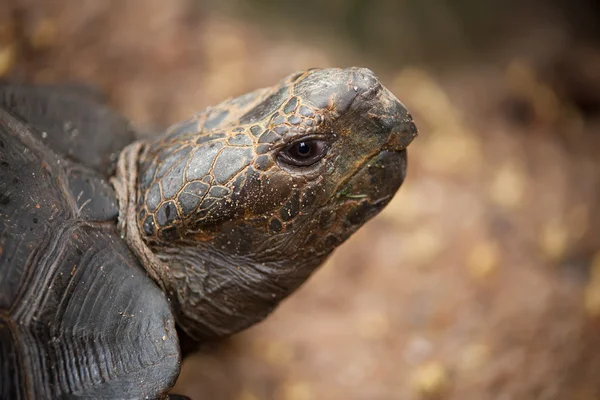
(304, 153)
(303, 149)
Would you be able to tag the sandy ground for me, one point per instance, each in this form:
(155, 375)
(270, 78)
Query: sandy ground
(481, 280)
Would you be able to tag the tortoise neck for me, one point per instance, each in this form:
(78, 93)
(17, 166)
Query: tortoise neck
(213, 293)
(216, 294)
(125, 184)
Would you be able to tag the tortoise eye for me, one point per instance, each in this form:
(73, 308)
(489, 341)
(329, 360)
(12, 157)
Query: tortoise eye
(304, 153)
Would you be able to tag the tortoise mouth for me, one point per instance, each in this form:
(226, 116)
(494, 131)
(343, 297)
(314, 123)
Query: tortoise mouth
(378, 179)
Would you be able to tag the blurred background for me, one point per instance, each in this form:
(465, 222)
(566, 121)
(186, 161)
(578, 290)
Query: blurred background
(481, 280)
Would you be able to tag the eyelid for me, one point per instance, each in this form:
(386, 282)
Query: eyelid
(289, 159)
(281, 146)
(305, 139)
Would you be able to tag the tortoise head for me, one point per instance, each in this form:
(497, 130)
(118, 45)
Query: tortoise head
(247, 198)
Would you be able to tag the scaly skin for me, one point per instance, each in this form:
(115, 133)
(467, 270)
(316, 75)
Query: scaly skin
(228, 216)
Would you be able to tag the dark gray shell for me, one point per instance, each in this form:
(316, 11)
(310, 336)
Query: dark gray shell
(72, 120)
(69, 324)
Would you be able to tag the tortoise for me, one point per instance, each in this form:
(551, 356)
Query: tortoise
(114, 247)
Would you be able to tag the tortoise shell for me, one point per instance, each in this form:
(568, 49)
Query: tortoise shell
(70, 324)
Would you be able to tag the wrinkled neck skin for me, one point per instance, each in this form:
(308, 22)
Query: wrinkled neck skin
(217, 294)
(214, 293)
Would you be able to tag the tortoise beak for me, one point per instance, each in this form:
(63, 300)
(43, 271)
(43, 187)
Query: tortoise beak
(398, 122)
(401, 135)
